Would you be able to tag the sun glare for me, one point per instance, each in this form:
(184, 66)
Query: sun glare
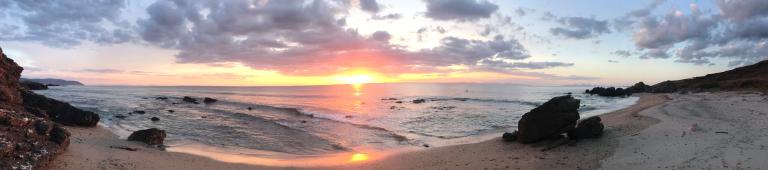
(356, 79)
(358, 157)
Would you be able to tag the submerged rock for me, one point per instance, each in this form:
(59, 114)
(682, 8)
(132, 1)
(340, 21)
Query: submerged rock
(588, 128)
(189, 99)
(151, 136)
(155, 119)
(555, 117)
(417, 101)
(209, 100)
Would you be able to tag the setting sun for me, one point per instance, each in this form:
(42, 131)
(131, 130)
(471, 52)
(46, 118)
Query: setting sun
(358, 157)
(356, 79)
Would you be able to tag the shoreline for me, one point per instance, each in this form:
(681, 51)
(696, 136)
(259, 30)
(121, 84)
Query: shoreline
(91, 149)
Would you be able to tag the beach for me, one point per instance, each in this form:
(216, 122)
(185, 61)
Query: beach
(669, 131)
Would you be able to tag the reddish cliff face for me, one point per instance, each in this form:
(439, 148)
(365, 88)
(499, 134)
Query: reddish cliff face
(10, 73)
(27, 141)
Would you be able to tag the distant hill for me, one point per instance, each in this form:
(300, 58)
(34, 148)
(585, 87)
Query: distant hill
(55, 82)
(752, 77)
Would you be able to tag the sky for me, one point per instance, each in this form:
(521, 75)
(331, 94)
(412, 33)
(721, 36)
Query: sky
(315, 42)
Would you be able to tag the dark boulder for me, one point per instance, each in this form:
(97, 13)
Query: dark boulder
(60, 135)
(588, 128)
(209, 100)
(31, 85)
(58, 111)
(119, 116)
(141, 112)
(509, 137)
(417, 101)
(151, 136)
(154, 119)
(189, 99)
(555, 117)
(607, 92)
(161, 98)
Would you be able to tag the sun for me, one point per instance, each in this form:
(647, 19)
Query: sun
(356, 79)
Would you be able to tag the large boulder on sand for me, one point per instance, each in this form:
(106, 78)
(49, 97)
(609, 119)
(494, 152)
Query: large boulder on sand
(209, 100)
(189, 99)
(58, 111)
(588, 128)
(555, 117)
(151, 136)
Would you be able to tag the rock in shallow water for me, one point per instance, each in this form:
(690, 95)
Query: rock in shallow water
(555, 117)
(209, 100)
(151, 136)
(189, 99)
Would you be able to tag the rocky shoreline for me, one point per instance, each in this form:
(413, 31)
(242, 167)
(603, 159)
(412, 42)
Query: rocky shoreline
(31, 125)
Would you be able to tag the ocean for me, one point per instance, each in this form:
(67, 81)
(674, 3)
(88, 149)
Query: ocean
(318, 120)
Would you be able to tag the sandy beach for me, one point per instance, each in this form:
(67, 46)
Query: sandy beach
(725, 130)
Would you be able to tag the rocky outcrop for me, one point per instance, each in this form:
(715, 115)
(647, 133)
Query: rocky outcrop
(54, 82)
(27, 140)
(58, 111)
(588, 128)
(189, 99)
(31, 85)
(639, 87)
(209, 100)
(151, 136)
(553, 118)
(608, 92)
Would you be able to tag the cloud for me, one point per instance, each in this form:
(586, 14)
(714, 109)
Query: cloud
(386, 17)
(738, 33)
(370, 5)
(623, 53)
(501, 64)
(301, 38)
(67, 23)
(580, 27)
(460, 10)
(101, 71)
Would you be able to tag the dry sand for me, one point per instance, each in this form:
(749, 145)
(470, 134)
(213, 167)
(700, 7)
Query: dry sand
(655, 133)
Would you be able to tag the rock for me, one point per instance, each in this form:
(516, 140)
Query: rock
(189, 99)
(60, 135)
(171, 111)
(509, 137)
(31, 85)
(399, 102)
(120, 116)
(348, 116)
(664, 87)
(417, 101)
(607, 92)
(28, 138)
(60, 112)
(161, 98)
(588, 128)
(155, 119)
(392, 107)
(249, 108)
(555, 117)
(639, 87)
(209, 100)
(151, 136)
(141, 112)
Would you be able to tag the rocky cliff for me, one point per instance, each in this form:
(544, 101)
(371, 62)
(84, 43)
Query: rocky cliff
(29, 138)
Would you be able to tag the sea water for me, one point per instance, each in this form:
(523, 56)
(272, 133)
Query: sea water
(318, 120)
